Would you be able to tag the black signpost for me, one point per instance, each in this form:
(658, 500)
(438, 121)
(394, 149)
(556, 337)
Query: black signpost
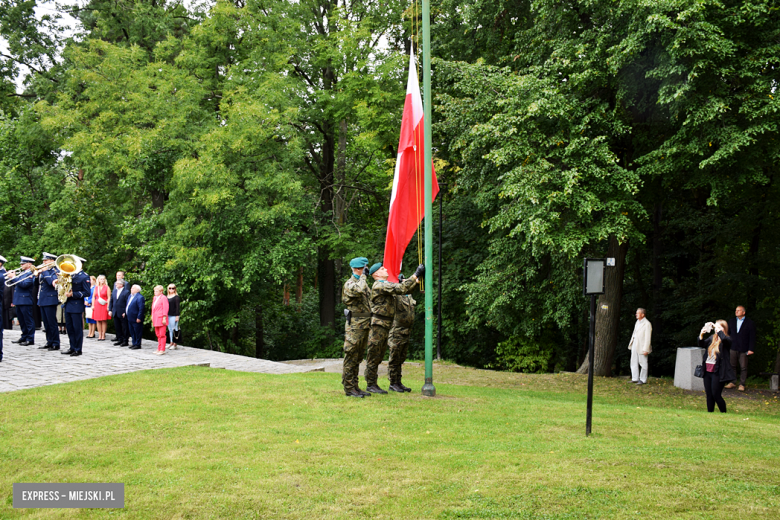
(593, 285)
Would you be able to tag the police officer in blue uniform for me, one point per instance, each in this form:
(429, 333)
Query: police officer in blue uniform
(74, 309)
(48, 301)
(24, 301)
(2, 293)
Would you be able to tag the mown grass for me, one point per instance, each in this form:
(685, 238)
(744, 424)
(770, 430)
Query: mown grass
(205, 443)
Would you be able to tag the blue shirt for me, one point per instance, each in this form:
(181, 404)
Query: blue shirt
(739, 322)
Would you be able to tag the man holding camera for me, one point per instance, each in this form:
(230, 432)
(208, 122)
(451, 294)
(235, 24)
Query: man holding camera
(640, 347)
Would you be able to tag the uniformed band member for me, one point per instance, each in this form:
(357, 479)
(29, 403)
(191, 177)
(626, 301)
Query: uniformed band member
(24, 301)
(382, 316)
(74, 309)
(2, 295)
(48, 301)
(355, 296)
(398, 341)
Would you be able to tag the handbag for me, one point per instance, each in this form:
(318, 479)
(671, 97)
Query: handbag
(88, 312)
(100, 300)
(699, 372)
(177, 336)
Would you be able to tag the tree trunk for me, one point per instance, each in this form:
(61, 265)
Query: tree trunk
(259, 340)
(299, 289)
(608, 312)
(658, 325)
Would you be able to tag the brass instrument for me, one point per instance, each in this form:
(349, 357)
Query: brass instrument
(14, 277)
(69, 266)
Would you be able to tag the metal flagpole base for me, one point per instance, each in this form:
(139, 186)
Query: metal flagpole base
(428, 389)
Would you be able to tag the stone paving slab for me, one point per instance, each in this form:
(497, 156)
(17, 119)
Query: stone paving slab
(29, 367)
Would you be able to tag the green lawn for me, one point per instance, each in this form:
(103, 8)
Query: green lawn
(206, 443)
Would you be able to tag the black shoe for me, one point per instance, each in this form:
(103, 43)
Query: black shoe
(634, 381)
(45, 347)
(74, 354)
(116, 342)
(365, 394)
(354, 393)
(395, 388)
(640, 383)
(25, 343)
(135, 347)
(67, 352)
(20, 340)
(101, 339)
(406, 388)
(374, 389)
(125, 344)
(54, 348)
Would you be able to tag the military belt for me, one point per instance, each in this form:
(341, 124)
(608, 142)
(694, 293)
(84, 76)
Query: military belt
(361, 314)
(384, 318)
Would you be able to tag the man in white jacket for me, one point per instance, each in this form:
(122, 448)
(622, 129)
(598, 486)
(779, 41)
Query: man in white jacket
(640, 347)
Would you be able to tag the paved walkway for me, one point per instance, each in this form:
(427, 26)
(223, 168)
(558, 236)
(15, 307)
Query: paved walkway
(28, 367)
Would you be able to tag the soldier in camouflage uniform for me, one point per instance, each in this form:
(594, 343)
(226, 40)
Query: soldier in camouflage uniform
(398, 342)
(355, 296)
(382, 315)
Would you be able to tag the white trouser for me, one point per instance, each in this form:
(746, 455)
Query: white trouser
(637, 361)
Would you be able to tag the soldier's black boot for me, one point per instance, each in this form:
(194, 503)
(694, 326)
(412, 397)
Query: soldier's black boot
(396, 388)
(406, 388)
(374, 389)
(354, 393)
(365, 394)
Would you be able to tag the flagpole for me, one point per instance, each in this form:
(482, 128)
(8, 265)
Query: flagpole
(428, 389)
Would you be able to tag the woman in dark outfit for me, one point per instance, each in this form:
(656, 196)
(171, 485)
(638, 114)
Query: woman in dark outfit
(716, 362)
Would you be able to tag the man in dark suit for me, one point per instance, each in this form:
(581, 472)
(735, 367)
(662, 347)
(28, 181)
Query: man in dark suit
(74, 311)
(136, 308)
(743, 343)
(117, 308)
(48, 301)
(2, 296)
(9, 313)
(24, 301)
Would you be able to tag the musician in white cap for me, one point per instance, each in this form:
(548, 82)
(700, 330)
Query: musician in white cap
(74, 311)
(2, 294)
(48, 301)
(24, 300)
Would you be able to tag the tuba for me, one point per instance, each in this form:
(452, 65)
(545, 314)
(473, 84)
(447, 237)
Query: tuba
(69, 266)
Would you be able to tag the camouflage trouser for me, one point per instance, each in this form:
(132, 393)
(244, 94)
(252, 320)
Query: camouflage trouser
(354, 349)
(398, 342)
(377, 348)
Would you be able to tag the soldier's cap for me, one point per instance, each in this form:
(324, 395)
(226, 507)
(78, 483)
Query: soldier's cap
(359, 262)
(2, 260)
(26, 260)
(49, 256)
(82, 259)
(374, 268)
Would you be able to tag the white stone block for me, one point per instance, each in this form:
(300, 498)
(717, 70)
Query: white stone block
(687, 360)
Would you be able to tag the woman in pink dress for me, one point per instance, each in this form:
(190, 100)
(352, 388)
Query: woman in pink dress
(160, 318)
(100, 297)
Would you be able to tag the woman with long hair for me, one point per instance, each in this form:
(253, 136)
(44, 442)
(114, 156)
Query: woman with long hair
(88, 303)
(160, 318)
(716, 361)
(174, 305)
(100, 298)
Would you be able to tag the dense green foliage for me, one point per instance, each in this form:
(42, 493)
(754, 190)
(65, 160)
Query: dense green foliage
(244, 150)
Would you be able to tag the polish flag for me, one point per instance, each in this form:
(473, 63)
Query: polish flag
(407, 202)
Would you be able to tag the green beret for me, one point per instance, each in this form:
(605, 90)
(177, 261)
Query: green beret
(358, 263)
(374, 268)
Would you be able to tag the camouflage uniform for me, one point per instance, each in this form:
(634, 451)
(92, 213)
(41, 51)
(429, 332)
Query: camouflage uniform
(355, 296)
(383, 312)
(399, 336)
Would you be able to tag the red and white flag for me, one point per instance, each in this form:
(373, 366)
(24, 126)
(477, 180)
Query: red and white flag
(407, 202)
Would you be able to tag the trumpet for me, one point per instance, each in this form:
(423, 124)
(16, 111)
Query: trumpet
(14, 276)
